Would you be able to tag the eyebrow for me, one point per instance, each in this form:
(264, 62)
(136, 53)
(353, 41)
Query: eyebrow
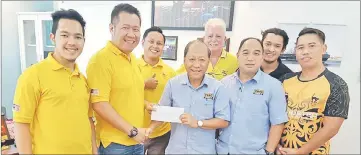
(74, 34)
(130, 25)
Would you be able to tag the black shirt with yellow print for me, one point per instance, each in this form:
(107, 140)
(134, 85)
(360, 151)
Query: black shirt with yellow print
(308, 102)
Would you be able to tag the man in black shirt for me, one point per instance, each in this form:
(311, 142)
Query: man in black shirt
(274, 42)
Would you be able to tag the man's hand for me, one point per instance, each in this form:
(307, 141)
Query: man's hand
(289, 151)
(149, 106)
(279, 151)
(148, 131)
(140, 137)
(189, 120)
(151, 83)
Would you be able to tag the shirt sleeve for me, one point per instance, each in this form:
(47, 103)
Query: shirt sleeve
(99, 81)
(222, 104)
(27, 96)
(277, 104)
(166, 99)
(337, 104)
(181, 69)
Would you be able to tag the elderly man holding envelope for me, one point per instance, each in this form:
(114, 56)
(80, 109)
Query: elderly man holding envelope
(200, 103)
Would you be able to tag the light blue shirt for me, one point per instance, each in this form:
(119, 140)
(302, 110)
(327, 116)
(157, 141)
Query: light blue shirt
(209, 100)
(255, 106)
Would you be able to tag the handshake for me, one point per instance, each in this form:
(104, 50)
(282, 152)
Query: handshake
(142, 135)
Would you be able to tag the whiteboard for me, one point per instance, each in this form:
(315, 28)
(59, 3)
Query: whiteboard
(335, 38)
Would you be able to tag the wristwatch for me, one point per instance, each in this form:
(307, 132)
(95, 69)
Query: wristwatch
(200, 123)
(133, 132)
(269, 153)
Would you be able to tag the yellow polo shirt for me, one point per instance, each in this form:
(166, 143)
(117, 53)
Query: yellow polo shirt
(55, 102)
(226, 65)
(162, 73)
(116, 79)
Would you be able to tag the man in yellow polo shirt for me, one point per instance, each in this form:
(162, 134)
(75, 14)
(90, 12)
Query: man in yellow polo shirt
(117, 86)
(222, 63)
(157, 74)
(51, 104)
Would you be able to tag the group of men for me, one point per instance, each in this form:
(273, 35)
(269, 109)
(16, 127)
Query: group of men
(258, 104)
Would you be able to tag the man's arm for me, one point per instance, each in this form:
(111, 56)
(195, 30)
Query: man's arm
(23, 138)
(274, 137)
(214, 123)
(278, 115)
(26, 98)
(94, 143)
(106, 112)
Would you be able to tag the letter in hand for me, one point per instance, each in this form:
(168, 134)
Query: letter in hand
(189, 120)
(151, 83)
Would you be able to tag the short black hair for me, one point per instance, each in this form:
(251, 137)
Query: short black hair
(153, 29)
(279, 32)
(67, 14)
(186, 49)
(244, 40)
(124, 7)
(309, 30)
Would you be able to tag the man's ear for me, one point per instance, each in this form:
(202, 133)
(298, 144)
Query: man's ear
(52, 38)
(143, 43)
(111, 28)
(283, 50)
(324, 49)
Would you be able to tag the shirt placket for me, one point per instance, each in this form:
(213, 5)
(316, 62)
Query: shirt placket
(238, 105)
(189, 140)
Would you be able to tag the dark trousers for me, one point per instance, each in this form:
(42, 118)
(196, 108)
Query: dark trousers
(157, 145)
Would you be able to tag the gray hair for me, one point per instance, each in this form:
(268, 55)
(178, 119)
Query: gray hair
(215, 22)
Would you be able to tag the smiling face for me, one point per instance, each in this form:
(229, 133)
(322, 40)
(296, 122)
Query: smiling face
(153, 45)
(215, 38)
(125, 31)
(272, 46)
(196, 61)
(68, 39)
(309, 51)
(250, 56)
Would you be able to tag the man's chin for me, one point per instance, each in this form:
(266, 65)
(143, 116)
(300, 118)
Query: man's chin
(269, 61)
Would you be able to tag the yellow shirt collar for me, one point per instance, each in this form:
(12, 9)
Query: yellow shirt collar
(55, 65)
(143, 63)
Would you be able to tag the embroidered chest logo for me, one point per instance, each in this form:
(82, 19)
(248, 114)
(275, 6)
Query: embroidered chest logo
(208, 96)
(224, 73)
(258, 92)
(314, 99)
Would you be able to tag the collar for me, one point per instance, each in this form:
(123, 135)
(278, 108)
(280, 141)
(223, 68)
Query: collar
(224, 54)
(185, 80)
(116, 50)
(143, 63)
(55, 65)
(256, 77)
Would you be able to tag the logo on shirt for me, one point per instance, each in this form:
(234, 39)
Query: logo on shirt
(208, 96)
(94, 92)
(258, 92)
(224, 73)
(16, 107)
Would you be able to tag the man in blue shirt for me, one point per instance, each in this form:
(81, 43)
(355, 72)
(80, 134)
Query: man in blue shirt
(258, 105)
(205, 102)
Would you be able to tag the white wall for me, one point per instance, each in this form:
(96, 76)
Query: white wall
(10, 53)
(249, 19)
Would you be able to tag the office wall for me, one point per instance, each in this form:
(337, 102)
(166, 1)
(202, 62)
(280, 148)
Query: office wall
(10, 58)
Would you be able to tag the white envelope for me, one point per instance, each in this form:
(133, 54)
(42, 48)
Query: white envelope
(167, 114)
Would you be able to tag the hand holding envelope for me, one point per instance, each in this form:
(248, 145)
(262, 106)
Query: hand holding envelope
(167, 114)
